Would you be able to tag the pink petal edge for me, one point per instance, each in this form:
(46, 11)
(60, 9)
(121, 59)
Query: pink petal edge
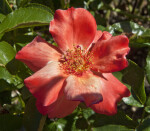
(85, 88)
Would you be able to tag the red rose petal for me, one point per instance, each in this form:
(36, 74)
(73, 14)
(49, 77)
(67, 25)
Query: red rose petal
(109, 53)
(60, 108)
(85, 88)
(73, 26)
(38, 53)
(46, 83)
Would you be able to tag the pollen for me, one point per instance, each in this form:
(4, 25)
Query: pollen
(75, 61)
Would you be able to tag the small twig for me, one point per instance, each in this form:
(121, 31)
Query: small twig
(42, 122)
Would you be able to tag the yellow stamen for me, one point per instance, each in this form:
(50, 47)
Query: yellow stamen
(75, 61)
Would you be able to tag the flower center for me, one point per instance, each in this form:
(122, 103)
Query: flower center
(75, 61)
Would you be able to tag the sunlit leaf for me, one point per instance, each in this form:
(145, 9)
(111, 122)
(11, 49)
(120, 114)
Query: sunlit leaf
(147, 109)
(56, 126)
(102, 28)
(26, 17)
(87, 113)
(7, 53)
(40, 6)
(63, 124)
(128, 27)
(7, 78)
(138, 35)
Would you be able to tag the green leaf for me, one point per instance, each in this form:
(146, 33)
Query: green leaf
(132, 99)
(145, 126)
(2, 17)
(140, 41)
(20, 37)
(138, 35)
(19, 69)
(147, 108)
(32, 117)
(102, 28)
(63, 124)
(148, 67)
(148, 101)
(7, 53)
(9, 79)
(133, 78)
(112, 128)
(10, 123)
(133, 75)
(40, 6)
(17, 104)
(87, 113)
(21, 3)
(26, 17)
(4, 7)
(128, 27)
(115, 29)
(5, 86)
(4, 74)
(119, 119)
(55, 126)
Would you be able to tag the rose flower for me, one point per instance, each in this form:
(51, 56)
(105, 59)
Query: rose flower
(79, 69)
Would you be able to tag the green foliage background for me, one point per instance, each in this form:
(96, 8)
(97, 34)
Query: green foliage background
(20, 23)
